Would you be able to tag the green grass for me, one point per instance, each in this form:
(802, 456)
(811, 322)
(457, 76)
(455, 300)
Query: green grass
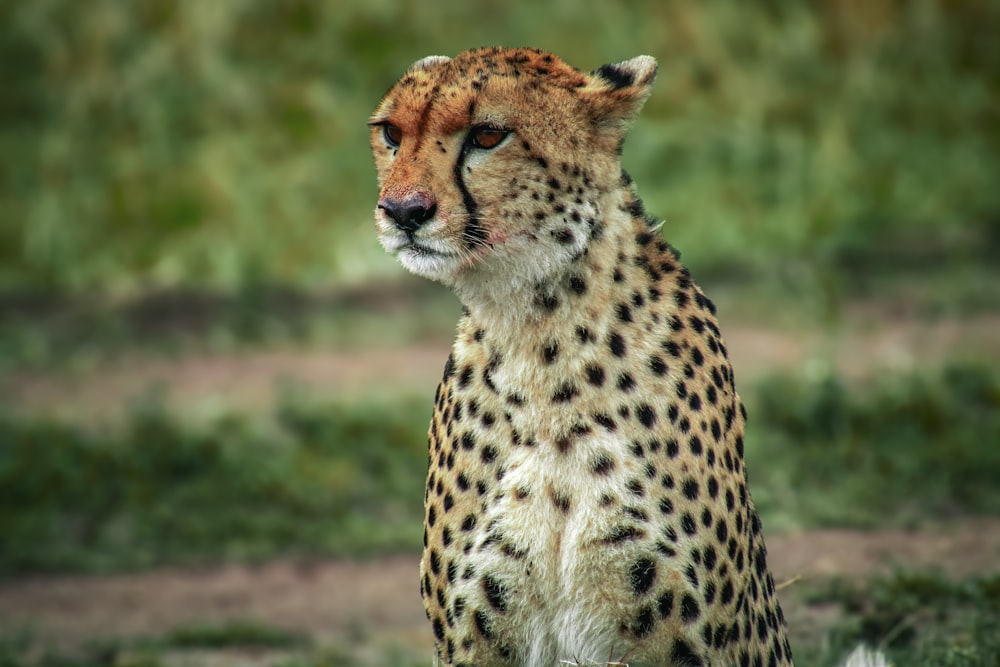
(159, 144)
(320, 479)
(312, 479)
(903, 451)
(46, 331)
(232, 642)
(918, 619)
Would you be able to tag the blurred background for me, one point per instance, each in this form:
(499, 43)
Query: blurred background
(214, 385)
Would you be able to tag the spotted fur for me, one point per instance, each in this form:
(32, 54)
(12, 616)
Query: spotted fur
(586, 495)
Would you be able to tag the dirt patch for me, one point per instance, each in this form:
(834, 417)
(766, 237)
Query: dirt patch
(377, 601)
(861, 347)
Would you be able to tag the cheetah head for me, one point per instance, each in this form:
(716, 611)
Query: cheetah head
(494, 166)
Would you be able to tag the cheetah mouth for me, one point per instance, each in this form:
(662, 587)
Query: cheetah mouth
(419, 250)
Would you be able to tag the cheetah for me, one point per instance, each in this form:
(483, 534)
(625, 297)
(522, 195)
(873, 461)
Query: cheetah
(586, 499)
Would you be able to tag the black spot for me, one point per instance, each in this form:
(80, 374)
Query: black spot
(623, 534)
(561, 501)
(583, 335)
(688, 524)
(624, 312)
(671, 448)
(563, 235)
(449, 368)
(666, 505)
(602, 465)
(488, 454)
(625, 382)
(468, 441)
(690, 488)
(495, 594)
(642, 575)
(646, 415)
(607, 422)
(465, 377)
(683, 654)
(550, 352)
(595, 375)
(644, 622)
(689, 609)
(565, 393)
(672, 348)
(547, 302)
(657, 365)
(637, 513)
(483, 625)
(439, 629)
(617, 344)
(577, 284)
(435, 562)
(709, 558)
(431, 516)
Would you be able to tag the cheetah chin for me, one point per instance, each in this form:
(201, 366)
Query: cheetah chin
(586, 495)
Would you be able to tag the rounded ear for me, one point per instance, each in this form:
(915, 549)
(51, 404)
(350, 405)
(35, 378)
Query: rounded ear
(428, 62)
(616, 93)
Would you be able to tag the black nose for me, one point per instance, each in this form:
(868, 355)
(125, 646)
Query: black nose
(410, 213)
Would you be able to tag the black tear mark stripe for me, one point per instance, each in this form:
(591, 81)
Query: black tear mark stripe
(474, 233)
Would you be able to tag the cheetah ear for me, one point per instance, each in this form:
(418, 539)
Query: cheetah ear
(616, 93)
(428, 62)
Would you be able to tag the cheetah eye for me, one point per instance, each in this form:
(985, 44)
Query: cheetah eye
(392, 135)
(487, 137)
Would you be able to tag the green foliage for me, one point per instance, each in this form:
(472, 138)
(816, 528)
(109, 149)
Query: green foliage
(53, 331)
(919, 619)
(907, 449)
(320, 479)
(241, 634)
(224, 143)
(348, 479)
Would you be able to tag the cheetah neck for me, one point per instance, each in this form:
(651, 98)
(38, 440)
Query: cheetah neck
(513, 307)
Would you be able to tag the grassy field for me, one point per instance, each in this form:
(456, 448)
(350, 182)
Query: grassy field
(189, 179)
(337, 480)
(918, 619)
(167, 144)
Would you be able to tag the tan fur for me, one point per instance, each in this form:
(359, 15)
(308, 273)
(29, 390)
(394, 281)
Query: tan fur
(586, 495)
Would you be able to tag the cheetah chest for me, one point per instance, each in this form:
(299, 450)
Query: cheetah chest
(558, 561)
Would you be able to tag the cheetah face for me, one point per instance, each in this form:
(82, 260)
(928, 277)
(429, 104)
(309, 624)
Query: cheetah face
(494, 166)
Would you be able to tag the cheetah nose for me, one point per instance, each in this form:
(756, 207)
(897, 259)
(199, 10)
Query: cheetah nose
(410, 213)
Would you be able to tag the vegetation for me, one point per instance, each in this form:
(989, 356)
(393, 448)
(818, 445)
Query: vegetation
(163, 143)
(314, 479)
(919, 619)
(191, 176)
(347, 480)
